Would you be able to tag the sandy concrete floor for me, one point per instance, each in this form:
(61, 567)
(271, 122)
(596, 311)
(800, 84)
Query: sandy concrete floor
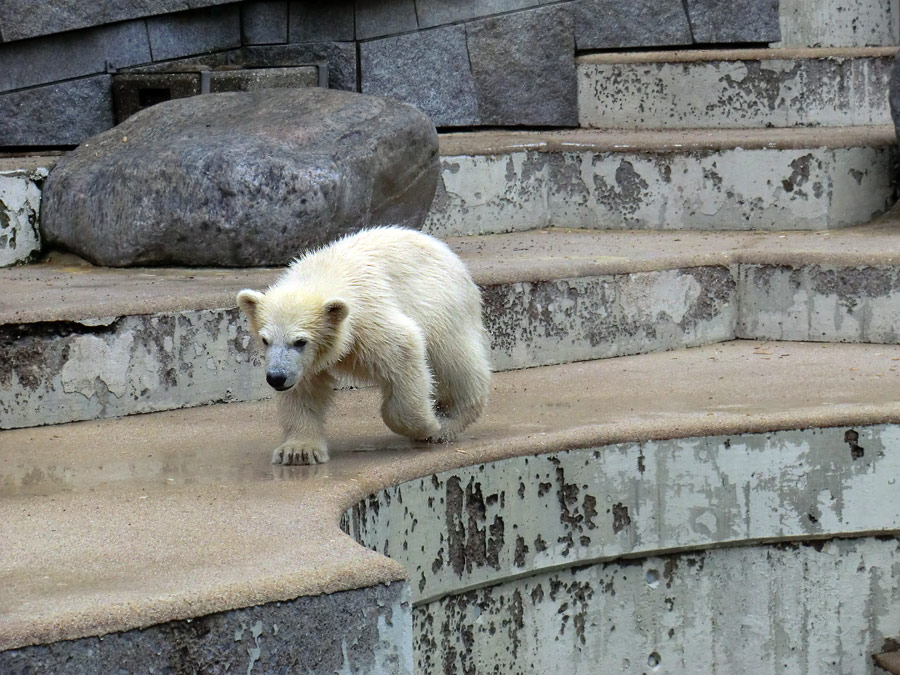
(125, 523)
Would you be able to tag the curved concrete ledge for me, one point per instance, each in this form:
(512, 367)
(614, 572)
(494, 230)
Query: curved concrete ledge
(482, 525)
(807, 608)
(128, 523)
(550, 297)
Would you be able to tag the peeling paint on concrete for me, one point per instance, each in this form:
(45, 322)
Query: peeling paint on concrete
(729, 189)
(790, 92)
(567, 320)
(839, 23)
(805, 609)
(20, 207)
(483, 524)
(64, 371)
(482, 194)
(819, 303)
(361, 632)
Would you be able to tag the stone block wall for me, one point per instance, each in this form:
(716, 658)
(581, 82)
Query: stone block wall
(466, 63)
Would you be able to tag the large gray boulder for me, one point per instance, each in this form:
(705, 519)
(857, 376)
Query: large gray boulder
(241, 179)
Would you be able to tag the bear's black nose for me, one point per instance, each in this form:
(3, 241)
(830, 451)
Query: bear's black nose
(275, 380)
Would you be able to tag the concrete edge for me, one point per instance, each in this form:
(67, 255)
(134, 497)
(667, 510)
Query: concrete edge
(475, 143)
(771, 54)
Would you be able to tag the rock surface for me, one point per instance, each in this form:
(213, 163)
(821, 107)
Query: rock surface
(713, 21)
(895, 93)
(241, 179)
(429, 69)
(525, 86)
(605, 24)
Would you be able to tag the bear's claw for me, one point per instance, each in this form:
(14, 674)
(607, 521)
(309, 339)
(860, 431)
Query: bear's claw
(298, 453)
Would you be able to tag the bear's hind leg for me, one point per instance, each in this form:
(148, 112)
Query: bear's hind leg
(406, 383)
(302, 412)
(462, 373)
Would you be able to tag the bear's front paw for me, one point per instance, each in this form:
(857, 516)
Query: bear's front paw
(300, 452)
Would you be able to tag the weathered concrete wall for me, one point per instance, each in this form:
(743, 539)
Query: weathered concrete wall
(543, 323)
(815, 608)
(839, 23)
(362, 632)
(819, 303)
(61, 372)
(730, 188)
(484, 524)
(736, 89)
(20, 207)
(67, 371)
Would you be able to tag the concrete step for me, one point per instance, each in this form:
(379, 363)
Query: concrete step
(768, 179)
(738, 88)
(86, 343)
(171, 534)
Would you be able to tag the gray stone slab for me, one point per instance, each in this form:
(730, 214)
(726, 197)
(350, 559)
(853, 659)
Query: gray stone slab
(321, 21)
(21, 19)
(65, 113)
(197, 32)
(525, 86)
(76, 54)
(377, 18)
(714, 21)
(438, 12)
(610, 24)
(429, 69)
(340, 57)
(361, 632)
(264, 23)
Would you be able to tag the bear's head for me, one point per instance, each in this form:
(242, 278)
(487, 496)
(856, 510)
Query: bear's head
(303, 333)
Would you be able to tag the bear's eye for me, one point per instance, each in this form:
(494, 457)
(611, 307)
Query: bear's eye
(265, 341)
(299, 344)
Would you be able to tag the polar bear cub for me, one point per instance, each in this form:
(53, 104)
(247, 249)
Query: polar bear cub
(386, 305)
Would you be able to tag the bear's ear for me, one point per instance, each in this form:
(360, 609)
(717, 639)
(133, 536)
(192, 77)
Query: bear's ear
(336, 310)
(249, 302)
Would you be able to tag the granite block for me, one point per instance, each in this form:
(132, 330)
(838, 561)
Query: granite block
(264, 23)
(340, 58)
(377, 18)
(528, 87)
(611, 24)
(714, 21)
(195, 32)
(437, 12)
(30, 63)
(21, 19)
(64, 113)
(321, 22)
(428, 69)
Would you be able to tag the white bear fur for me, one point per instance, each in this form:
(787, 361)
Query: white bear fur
(386, 305)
